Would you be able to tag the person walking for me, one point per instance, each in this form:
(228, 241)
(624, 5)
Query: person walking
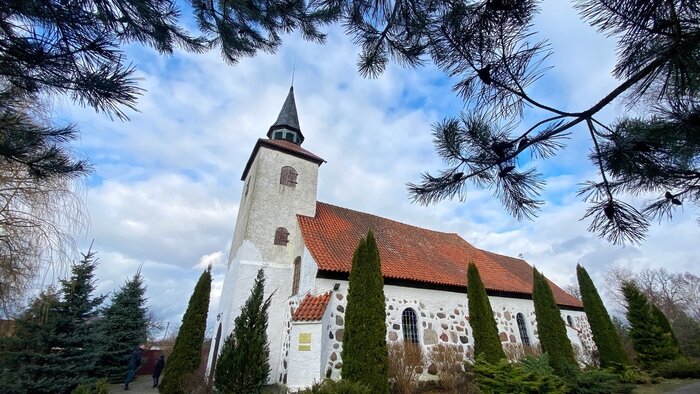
(160, 364)
(134, 363)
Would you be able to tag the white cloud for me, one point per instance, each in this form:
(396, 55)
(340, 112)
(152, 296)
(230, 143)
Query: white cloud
(167, 184)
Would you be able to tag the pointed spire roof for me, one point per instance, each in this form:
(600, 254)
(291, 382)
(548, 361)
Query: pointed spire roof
(288, 117)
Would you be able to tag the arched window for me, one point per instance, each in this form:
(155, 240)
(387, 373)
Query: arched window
(281, 236)
(297, 275)
(570, 321)
(409, 322)
(523, 329)
(288, 176)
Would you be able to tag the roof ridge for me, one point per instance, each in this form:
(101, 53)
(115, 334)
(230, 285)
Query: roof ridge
(391, 220)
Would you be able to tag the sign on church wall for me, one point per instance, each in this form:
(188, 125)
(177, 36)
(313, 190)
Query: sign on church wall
(304, 341)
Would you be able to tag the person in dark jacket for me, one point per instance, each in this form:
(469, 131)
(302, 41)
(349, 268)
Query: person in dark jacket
(160, 364)
(134, 363)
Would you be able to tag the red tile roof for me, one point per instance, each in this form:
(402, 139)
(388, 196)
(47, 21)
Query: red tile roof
(312, 308)
(408, 252)
(283, 146)
(523, 271)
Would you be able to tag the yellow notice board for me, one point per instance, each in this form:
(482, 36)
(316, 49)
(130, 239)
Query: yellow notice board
(304, 337)
(304, 341)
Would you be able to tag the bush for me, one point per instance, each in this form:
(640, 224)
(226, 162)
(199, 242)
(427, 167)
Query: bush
(680, 368)
(594, 381)
(631, 374)
(531, 375)
(337, 387)
(517, 351)
(449, 362)
(405, 362)
(99, 387)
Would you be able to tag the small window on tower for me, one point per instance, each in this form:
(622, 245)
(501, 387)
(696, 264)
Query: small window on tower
(278, 135)
(281, 236)
(297, 276)
(288, 176)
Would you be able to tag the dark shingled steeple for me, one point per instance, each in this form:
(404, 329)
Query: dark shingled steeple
(287, 125)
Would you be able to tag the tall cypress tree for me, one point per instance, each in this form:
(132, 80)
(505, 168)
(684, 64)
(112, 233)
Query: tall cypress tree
(550, 326)
(123, 326)
(365, 354)
(59, 350)
(651, 344)
(244, 364)
(665, 327)
(604, 335)
(187, 351)
(484, 328)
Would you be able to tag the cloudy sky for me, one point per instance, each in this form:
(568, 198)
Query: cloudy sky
(166, 186)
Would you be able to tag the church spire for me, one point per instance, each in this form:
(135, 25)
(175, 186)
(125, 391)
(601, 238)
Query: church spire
(286, 127)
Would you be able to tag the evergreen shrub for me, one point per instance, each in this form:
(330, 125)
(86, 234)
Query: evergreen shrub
(679, 368)
(329, 386)
(610, 350)
(99, 387)
(187, 351)
(365, 355)
(550, 326)
(244, 365)
(481, 319)
(531, 375)
(595, 381)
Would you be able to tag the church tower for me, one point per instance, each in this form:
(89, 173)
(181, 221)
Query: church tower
(280, 181)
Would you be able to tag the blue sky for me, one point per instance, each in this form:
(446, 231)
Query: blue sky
(166, 185)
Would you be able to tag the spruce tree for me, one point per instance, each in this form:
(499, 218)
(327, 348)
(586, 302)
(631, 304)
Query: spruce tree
(244, 365)
(365, 354)
(484, 328)
(550, 326)
(604, 335)
(30, 346)
(57, 345)
(123, 326)
(187, 351)
(651, 344)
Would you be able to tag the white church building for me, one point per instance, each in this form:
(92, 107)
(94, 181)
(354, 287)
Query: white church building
(306, 246)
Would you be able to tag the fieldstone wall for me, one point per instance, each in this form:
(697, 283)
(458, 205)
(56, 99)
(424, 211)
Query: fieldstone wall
(442, 318)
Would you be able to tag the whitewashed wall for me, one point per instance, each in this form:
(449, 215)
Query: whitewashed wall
(304, 364)
(265, 206)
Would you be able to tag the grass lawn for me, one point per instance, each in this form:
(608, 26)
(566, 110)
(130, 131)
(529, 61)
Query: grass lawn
(663, 387)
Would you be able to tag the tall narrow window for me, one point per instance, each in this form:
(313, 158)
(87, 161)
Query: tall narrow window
(409, 322)
(288, 176)
(297, 275)
(281, 236)
(570, 320)
(523, 329)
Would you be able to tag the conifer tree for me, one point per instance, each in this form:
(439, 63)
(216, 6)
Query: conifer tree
(123, 326)
(550, 326)
(365, 354)
(30, 345)
(187, 351)
(244, 364)
(651, 344)
(484, 329)
(66, 324)
(604, 335)
(665, 326)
